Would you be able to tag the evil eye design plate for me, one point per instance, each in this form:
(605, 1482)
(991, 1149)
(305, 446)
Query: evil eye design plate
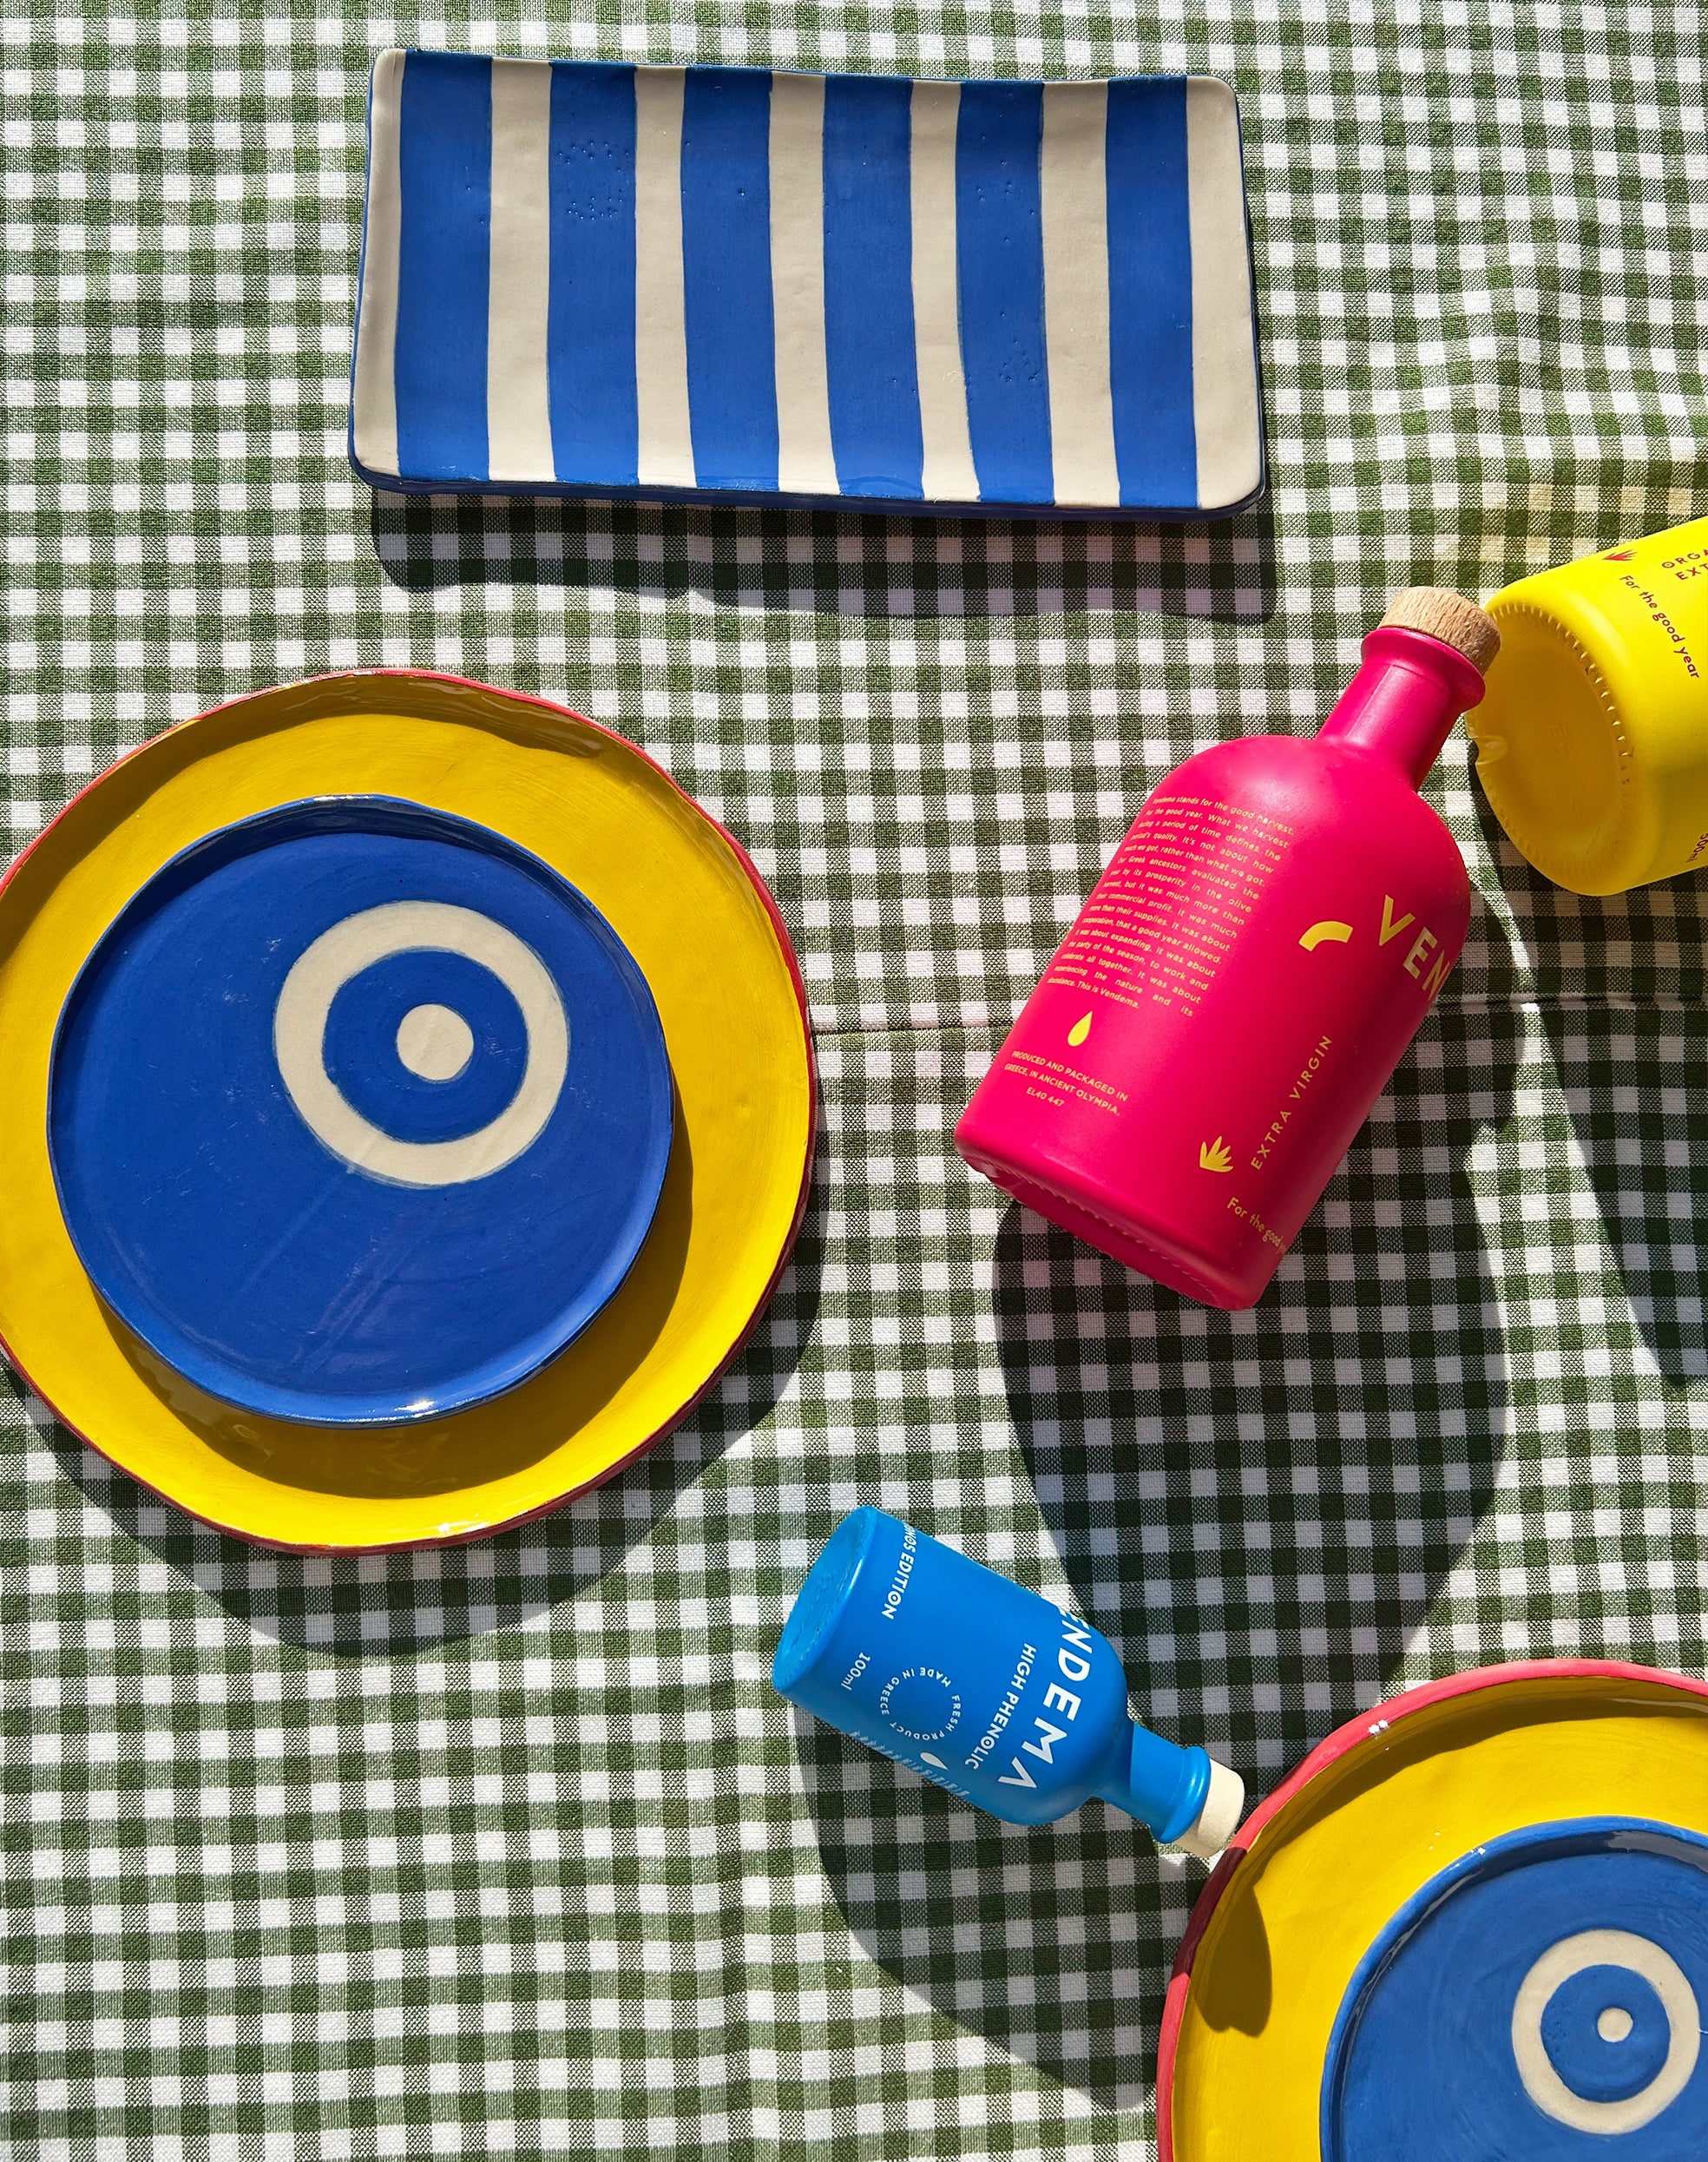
(358, 1113)
(1542, 1998)
(688, 905)
(1360, 1835)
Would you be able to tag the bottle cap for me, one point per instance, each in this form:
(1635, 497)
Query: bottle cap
(1218, 1819)
(1440, 613)
(1424, 668)
(1592, 740)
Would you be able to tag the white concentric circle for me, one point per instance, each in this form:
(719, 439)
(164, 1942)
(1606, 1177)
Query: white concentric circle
(1638, 1955)
(299, 1041)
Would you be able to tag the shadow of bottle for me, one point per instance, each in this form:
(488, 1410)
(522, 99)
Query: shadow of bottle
(1052, 1943)
(1258, 1509)
(1621, 984)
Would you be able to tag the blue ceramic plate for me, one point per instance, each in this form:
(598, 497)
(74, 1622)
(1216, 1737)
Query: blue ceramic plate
(1542, 2001)
(853, 291)
(357, 1112)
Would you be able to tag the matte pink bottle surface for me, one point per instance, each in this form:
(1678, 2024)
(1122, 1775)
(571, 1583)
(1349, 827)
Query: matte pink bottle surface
(1264, 944)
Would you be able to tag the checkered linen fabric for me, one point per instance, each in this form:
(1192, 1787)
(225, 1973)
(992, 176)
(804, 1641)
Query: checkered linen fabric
(510, 1850)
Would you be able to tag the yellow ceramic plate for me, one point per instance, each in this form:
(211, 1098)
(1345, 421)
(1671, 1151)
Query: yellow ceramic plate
(690, 908)
(1370, 1817)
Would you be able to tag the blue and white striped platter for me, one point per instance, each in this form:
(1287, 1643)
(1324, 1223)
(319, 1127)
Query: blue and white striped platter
(586, 279)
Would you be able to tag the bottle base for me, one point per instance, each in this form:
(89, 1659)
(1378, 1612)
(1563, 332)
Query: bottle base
(1230, 1290)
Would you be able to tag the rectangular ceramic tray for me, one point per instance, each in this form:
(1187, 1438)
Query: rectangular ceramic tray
(585, 279)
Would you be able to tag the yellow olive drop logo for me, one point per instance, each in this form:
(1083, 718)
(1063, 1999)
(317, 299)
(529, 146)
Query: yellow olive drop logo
(1080, 1031)
(1213, 1156)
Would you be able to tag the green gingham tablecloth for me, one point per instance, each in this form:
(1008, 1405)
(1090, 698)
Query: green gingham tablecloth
(510, 1850)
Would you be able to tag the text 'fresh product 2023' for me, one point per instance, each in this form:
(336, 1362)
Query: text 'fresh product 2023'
(1249, 970)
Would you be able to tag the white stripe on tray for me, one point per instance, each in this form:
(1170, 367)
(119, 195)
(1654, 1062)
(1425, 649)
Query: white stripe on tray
(1074, 194)
(518, 409)
(375, 402)
(1224, 366)
(948, 475)
(660, 331)
(805, 461)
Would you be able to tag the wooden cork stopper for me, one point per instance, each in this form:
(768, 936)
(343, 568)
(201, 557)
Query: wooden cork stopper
(1450, 617)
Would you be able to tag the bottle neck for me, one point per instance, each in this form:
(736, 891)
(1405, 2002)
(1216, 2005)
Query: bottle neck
(1402, 703)
(1155, 1780)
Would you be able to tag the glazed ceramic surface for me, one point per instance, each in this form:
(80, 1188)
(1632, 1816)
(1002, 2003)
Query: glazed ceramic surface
(1334, 1891)
(358, 1113)
(916, 296)
(1548, 1984)
(683, 902)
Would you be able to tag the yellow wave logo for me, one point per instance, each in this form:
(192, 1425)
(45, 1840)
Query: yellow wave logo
(1213, 1156)
(1328, 928)
(1080, 1031)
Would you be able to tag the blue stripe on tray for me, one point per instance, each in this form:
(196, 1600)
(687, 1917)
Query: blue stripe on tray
(443, 264)
(727, 276)
(869, 340)
(1000, 244)
(1150, 292)
(590, 338)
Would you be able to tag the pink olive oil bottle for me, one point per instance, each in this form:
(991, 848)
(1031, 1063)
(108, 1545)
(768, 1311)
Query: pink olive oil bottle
(1244, 978)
